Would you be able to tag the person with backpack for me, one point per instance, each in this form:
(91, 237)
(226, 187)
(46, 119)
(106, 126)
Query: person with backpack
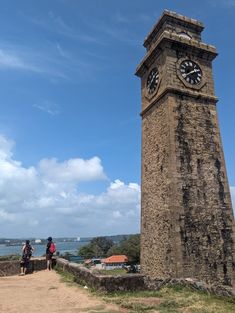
(27, 251)
(50, 250)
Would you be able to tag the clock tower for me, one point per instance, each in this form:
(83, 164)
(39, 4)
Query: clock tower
(186, 211)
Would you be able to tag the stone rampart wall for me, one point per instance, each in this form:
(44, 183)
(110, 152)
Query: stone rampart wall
(135, 282)
(129, 282)
(8, 268)
(109, 283)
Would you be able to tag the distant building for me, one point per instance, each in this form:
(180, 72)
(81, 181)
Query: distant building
(114, 261)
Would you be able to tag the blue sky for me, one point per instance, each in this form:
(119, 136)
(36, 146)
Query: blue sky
(69, 110)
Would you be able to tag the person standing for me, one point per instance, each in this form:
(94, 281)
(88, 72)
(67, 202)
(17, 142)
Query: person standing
(50, 250)
(27, 251)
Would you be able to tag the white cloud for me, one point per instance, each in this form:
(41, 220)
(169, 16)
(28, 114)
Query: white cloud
(117, 214)
(48, 196)
(47, 106)
(6, 147)
(6, 217)
(61, 51)
(55, 23)
(72, 170)
(10, 60)
(28, 60)
(50, 61)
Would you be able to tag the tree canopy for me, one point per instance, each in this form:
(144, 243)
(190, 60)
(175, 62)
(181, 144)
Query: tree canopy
(103, 247)
(130, 247)
(98, 247)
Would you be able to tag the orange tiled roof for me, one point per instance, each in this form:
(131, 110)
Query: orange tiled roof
(116, 259)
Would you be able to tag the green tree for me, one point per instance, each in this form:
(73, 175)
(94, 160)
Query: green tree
(98, 247)
(86, 252)
(130, 247)
(101, 245)
(115, 250)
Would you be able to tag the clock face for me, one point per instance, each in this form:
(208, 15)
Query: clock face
(152, 80)
(191, 72)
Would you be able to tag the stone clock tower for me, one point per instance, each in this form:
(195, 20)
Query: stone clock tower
(186, 210)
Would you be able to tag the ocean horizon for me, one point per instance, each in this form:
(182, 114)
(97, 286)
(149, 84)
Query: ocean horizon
(40, 249)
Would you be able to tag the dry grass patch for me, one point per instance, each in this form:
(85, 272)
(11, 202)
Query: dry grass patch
(172, 300)
(114, 272)
(175, 299)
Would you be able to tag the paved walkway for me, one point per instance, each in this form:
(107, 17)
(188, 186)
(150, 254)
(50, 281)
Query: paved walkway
(44, 292)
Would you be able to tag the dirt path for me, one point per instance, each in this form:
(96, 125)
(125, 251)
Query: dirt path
(44, 292)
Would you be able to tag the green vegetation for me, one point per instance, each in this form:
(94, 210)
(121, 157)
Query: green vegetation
(114, 272)
(130, 247)
(15, 257)
(171, 300)
(69, 278)
(98, 247)
(65, 276)
(103, 247)
(65, 255)
(175, 299)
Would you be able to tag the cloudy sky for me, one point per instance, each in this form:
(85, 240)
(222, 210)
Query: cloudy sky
(69, 110)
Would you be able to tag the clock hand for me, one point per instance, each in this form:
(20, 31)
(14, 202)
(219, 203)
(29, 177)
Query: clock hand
(193, 71)
(151, 82)
(153, 79)
(190, 73)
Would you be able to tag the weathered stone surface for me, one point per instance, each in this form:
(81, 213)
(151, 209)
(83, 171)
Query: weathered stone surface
(135, 282)
(129, 282)
(8, 268)
(186, 211)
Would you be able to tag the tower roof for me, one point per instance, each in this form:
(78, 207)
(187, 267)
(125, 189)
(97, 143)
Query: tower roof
(172, 19)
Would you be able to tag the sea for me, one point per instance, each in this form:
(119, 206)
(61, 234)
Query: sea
(40, 249)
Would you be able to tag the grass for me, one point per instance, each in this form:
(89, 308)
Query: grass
(175, 299)
(114, 272)
(65, 276)
(68, 278)
(171, 300)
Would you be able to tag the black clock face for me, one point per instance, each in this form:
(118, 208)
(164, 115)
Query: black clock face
(191, 72)
(152, 80)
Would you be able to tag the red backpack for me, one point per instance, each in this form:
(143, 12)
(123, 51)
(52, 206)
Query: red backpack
(52, 248)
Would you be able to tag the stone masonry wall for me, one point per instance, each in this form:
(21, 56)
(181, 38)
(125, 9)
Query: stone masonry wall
(187, 218)
(8, 268)
(206, 218)
(135, 282)
(156, 217)
(129, 282)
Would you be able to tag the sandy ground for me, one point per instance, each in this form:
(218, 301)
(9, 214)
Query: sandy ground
(45, 292)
